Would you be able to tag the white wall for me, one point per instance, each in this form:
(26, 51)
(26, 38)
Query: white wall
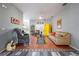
(26, 22)
(39, 27)
(7, 13)
(5, 17)
(70, 22)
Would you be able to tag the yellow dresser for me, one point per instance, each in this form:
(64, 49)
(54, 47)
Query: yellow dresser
(47, 29)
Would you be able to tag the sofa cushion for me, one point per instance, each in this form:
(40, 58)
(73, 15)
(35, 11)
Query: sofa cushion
(53, 33)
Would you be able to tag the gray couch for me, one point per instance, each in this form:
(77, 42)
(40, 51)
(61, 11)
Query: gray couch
(22, 37)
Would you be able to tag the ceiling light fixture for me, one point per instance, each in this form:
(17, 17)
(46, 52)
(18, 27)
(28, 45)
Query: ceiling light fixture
(40, 17)
(4, 6)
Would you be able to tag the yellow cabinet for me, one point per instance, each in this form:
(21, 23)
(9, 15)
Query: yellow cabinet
(47, 29)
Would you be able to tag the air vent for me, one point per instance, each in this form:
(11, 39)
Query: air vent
(64, 4)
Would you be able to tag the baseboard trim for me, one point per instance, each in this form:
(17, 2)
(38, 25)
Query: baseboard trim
(74, 47)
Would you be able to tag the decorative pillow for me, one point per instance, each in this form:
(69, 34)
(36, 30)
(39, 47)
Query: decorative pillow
(53, 33)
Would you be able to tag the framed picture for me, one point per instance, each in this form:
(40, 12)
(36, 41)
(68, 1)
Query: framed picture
(15, 21)
(59, 23)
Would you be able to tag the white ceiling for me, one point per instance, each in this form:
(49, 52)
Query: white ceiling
(34, 10)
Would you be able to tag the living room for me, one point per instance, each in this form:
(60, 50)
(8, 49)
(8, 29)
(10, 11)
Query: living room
(50, 27)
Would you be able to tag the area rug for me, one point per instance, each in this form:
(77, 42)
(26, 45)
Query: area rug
(40, 45)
